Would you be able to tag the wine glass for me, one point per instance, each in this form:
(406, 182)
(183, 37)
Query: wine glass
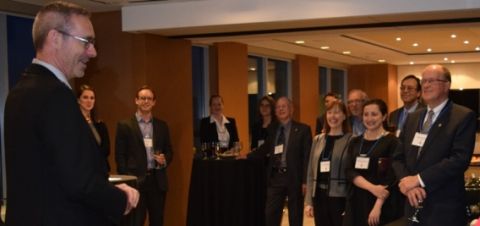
(217, 151)
(237, 147)
(414, 217)
(204, 149)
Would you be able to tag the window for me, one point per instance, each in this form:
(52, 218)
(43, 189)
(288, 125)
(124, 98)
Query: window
(200, 87)
(331, 80)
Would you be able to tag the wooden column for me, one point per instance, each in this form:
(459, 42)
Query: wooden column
(305, 89)
(230, 78)
(127, 61)
(377, 80)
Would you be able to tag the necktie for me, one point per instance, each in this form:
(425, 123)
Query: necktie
(428, 123)
(280, 141)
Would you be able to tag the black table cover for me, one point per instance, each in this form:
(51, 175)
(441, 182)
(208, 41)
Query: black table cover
(227, 193)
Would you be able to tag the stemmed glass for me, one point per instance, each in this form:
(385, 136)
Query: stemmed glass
(204, 149)
(414, 217)
(237, 147)
(216, 149)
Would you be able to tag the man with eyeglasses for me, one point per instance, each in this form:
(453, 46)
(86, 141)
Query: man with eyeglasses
(410, 92)
(56, 174)
(355, 101)
(143, 149)
(436, 148)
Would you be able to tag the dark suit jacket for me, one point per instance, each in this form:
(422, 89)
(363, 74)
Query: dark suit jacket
(298, 151)
(208, 131)
(393, 117)
(445, 156)
(55, 171)
(130, 152)
(105, 141)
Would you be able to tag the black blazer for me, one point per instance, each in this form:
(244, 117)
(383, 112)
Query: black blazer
(394, 116)
(105, 141)
(55, 171)
(445, 156)
(130, 152)
(208, 131)
(298, 151)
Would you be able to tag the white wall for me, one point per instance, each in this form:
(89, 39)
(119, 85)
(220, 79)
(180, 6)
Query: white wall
(466, 76)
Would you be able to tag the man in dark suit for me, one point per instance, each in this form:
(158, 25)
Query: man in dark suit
(437, 145)
(410, 92)
(143, 149)
(288, 148)
(56, 175)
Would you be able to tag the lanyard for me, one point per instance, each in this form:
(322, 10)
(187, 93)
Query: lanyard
(371, 148)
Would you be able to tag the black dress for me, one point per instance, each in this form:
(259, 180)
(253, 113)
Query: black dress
(258, 133)
(360, 202)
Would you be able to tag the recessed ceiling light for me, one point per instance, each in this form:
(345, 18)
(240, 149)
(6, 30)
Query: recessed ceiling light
(300, 42)
(346, 52)
(381, 61)
(453, 36)
(429, 50)
(466, 42)
(398, 39)
(452, 61)
(412, 63)
(461, 88)
(324, 47)
(252, 69)
(415, 44)
(477, 48)
(445, 58)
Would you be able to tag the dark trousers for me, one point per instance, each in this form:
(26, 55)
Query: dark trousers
(278, 190)
(327, 210)
(152, 199)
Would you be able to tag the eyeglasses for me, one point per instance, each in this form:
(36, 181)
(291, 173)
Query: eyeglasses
(146, 98)
(87, 42)
(407, 88)
(430, 81)
(355, 101)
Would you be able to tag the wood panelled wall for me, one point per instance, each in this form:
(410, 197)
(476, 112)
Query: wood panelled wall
(377, 80)
(229, 78)
(305, 89)
(124, 63)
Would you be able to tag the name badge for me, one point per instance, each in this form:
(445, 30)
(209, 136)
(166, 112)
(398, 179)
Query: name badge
(324, 166)
(148, 142)
(260, 142)
(279, 149)
(419, 139)
(397, 133)
(362, 163)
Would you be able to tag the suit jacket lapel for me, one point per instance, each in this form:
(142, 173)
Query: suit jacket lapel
(138, 133)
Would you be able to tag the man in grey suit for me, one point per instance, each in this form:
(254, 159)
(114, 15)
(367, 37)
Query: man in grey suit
(410, 92)
(437, 145)
(143, 149)
(288, 148)
(56, 174)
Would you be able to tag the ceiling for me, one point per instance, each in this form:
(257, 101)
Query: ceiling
(345, 41)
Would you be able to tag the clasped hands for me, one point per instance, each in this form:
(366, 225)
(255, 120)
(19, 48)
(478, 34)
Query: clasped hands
(132, 196)
(410, 187)
(160, 159)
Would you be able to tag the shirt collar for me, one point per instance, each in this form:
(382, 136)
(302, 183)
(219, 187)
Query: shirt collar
(140, 119)
(438, 109)
(412, 108)
(54, 70)
(224, 119)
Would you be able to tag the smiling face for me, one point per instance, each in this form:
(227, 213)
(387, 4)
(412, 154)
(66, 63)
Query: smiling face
(145, 101)
(355, 102)
(73, 54)
(409, 91)
(335, 117)
(373, 117)
(283, 109)
(216, 106)
(87, 100)
(435, 85)
(265, 108)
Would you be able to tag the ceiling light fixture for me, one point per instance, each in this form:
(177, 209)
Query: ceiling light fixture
(346, 52)
(453, 36)
(445, 58)
(324, 47)
(466, 42)
(381, 61)
(429, 50)
(415, 44)
(300, 42)
(252, 69)
(412, 63)
(398, 39)
(452, 61)
(477, 48)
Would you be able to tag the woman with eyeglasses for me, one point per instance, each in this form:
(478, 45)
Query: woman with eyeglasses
(266, 111)
(86, 101)
(217, 128)
(373, 198)
(326, 182)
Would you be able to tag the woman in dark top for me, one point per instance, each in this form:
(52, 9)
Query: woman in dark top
(326, 182)
(266, 109)
(373, 197)
(86, 101)
(217, 127)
